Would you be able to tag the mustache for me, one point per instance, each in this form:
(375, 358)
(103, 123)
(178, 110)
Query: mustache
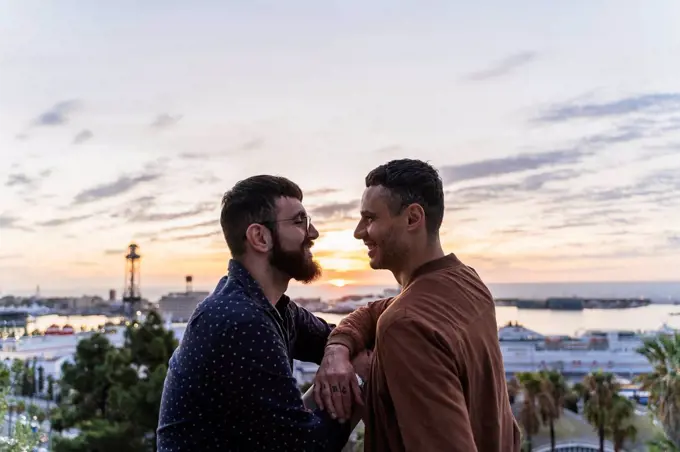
(307, 243)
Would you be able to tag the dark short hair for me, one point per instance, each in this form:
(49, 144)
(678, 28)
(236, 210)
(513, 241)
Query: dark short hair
(412, 181)
(252, 200)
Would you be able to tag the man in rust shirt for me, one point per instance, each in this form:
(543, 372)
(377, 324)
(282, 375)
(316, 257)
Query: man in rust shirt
(437, 381)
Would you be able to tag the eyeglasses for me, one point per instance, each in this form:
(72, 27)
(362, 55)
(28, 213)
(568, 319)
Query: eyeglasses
(299, 220)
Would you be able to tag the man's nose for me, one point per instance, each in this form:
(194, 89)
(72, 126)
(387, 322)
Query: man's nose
(359, 232)
(312, 232)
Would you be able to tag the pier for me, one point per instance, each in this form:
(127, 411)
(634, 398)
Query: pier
(573, 303)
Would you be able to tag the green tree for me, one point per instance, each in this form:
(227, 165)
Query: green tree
(22, 437)
(529, 413)
(85, 380)
(663, 383)
(115, 393)
(663, 445)
(600, 387)
(571, 400)
(28, 381)
(150, 344)
(619, 422)
(580, 391)
(101, 436)
(151, 347)
(551, 399)
(5, 376)
(41, 379)
(514, 389)
(17, 371)
(50, 388)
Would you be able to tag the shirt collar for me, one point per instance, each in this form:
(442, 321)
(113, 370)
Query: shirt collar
(450, 260)
(241, 274)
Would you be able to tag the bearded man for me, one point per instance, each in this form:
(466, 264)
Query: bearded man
(230, 384)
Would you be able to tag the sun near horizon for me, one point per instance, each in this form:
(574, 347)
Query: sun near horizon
(338, 282)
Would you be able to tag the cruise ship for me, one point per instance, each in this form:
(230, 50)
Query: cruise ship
(613, 351)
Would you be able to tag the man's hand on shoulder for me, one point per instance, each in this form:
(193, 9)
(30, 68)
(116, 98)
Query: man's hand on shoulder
(335, 384)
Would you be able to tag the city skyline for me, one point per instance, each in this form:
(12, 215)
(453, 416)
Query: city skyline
(556, 132)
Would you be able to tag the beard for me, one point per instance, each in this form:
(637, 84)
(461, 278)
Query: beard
(296, 264)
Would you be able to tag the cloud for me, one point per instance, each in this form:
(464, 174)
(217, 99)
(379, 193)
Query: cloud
(570, 224)
(82, 136)
(195, 236)
(674, 240)
(58, 114)
(10, 256)
(509, 191)
(502, 67)
(188, 227)
(623, 134)
(656, 186)
(508, 165)
(191, 227)
(139, 212)
(7, 221)
(164, 121)
(647, 103)
(208, 155)
(389, 149)
(537, 181)
(26, 181)
(66, 220)
(483, 193)
(10, 222)
(18, 179)
(615, 254)
(111, 189)
(336, 209)
(534, 185)
(584, 147)
(321, 191)
(113, 252)
(136, 207)
(253, 145)
(248, 146)
(197, 155)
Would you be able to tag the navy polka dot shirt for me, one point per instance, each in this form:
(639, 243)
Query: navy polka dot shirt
(230, 384)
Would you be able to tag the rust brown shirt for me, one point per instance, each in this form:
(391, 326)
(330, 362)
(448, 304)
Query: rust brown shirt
(437, 381)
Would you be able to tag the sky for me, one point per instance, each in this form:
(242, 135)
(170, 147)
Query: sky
(555, 128)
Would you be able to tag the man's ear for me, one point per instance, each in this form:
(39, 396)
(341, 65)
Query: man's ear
(259, 238)
(415, 217)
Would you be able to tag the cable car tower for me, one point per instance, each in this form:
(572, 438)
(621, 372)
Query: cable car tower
(131, 294)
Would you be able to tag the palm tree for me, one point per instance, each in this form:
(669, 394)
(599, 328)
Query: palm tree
(551, 400)
(580, 390)
(513, 389)
(529, 419)
(619, 422)
(600, 389)
(663, 445)
(663, 383)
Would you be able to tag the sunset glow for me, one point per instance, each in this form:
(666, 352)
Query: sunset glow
(338, 282)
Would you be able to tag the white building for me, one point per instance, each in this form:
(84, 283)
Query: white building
(178, 306)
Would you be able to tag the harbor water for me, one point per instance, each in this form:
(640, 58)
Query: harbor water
(551, 322)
